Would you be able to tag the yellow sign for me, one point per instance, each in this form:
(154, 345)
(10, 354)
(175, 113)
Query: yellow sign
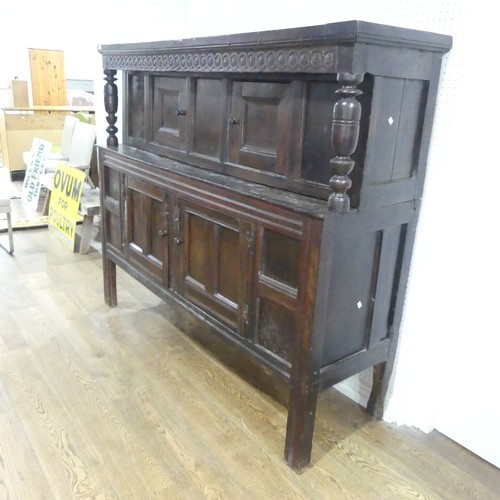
(64, 203)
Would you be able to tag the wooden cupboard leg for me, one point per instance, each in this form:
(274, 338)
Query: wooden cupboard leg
(300, 422)
(375, 404)
(109, 270)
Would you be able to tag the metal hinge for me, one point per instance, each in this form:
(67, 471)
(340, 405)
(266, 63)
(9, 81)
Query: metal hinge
(177, 225)
(250, 240)
(245, 314)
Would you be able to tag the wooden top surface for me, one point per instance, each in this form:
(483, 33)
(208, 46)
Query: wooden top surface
(346, 32)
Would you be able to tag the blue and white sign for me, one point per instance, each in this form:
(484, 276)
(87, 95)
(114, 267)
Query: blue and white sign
(30, 194)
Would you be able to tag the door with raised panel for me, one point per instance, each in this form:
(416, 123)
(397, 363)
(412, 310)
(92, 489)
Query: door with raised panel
(147, 229)
(259, 125)
(213, 258)
(170, 111)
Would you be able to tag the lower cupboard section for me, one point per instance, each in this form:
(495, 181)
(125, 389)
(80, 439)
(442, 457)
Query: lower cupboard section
(302, 298)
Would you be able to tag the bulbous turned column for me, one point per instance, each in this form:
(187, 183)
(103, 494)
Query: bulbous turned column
(111, 106)
(345, 134)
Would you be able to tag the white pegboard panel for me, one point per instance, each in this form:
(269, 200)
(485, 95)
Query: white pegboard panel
(412, 386)
(440, 311)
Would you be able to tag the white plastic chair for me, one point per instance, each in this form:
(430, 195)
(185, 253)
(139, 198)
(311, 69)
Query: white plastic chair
(80, 150)
(80, 156)
(69, 126)
(82, 145)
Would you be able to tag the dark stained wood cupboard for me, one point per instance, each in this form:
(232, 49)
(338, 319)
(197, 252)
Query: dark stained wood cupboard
(269, 184)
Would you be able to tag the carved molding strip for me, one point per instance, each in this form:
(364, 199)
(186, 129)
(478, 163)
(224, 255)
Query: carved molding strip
(311, 60)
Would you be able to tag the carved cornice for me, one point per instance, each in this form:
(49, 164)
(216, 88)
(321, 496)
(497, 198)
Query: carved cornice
(304, 60)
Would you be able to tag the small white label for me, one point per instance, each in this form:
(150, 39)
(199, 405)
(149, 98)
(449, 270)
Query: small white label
(359, 304)
(390, 120)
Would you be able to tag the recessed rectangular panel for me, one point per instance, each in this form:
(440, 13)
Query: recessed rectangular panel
(199, 236)
(255, 136)
(385, 122)
(351, 296)
(137, 210)
(275, 328)
(146, 218)
(317, 149)
(259, 125)
(168, 100)
(169, 111)
(410, 129)
(114, 233)
(213, 268)
(281, 258)
(136, 118)
(209, 107)
(157, 227)
(112, 183)
(228, 263)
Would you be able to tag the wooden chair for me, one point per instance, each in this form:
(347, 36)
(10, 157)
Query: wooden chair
(5, 209)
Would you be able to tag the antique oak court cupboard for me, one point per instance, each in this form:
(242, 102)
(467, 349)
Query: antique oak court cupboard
(269, 185)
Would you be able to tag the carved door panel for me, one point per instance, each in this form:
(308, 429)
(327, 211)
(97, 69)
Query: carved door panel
(259, 125)
(147, 229)
(214, 260)
(169, 111)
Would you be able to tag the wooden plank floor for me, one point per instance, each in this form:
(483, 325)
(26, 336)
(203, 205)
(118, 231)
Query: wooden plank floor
(117, 403)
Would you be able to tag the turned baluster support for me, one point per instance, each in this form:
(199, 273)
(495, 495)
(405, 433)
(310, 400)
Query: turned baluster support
(111, 106)
(345, 134)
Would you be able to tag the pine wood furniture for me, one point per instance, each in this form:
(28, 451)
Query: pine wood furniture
(269, 184)
(48, 78)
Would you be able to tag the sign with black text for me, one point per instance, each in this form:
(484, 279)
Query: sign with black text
(30, 193)
(65, 202)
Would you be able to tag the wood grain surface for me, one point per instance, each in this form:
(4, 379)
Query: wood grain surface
(116, 403)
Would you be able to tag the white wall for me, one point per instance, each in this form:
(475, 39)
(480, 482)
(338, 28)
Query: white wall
(77, 29)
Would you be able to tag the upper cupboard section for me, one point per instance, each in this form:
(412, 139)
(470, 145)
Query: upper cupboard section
(247, 127)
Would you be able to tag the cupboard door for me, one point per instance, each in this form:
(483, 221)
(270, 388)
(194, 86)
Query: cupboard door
(259, 123)
(147, 229)
(214, 261)
(169, 111)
